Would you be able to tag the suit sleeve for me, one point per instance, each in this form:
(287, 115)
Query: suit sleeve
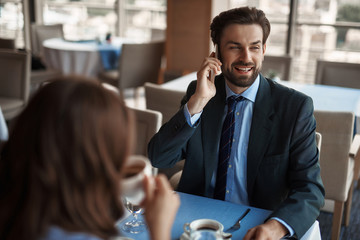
(306, 195)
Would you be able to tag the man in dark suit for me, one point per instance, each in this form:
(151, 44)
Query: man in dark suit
(272, 160)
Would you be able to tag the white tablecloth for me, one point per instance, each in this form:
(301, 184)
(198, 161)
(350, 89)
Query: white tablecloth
(81, 57)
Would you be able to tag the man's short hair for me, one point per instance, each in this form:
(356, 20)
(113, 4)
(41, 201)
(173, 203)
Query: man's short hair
(242, 15)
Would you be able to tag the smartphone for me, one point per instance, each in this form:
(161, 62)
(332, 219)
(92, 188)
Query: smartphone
(216, 51)
(212, 74)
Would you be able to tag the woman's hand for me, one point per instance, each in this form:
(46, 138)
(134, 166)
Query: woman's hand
(161, 204)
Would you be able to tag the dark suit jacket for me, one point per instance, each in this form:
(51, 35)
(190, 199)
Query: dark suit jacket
(283, 172)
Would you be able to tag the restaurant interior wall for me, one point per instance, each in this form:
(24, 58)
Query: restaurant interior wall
(327, 29)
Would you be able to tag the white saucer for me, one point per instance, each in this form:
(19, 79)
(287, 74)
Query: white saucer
(184, 236)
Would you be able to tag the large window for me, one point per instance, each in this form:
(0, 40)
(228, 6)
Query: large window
(89, 19)
(12, 21)
(327, 29)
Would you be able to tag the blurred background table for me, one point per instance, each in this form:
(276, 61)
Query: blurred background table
(86, 57)
(326, 98)
(195, 207)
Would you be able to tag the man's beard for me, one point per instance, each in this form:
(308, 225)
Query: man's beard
(242, 81)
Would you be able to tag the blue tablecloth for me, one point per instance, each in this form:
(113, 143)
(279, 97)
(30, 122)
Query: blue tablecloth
(194, 207)
(109, 55)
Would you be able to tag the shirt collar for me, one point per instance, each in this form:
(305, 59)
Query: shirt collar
(249, 93)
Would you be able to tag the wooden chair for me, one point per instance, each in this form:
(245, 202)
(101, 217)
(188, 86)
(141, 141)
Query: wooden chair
(337, 164)
(277, 66)
(14, 81)
(340, 74)
(138, 63)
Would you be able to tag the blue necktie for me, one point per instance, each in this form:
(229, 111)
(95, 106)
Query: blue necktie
(225, 148)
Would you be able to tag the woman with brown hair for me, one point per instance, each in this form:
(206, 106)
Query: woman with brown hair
(61, 167)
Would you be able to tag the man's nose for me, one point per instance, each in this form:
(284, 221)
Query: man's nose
(245, 56)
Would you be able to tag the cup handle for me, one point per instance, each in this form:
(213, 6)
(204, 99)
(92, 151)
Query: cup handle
(187, 228)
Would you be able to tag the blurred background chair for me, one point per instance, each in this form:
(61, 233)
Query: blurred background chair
(7, 43)
(340, 74)
(138, 63)
(277, 66)
(355, 154)
(40, 33)
(337, 164)
(40, 72)
(147, 123)
(14, 81)
(166, 101)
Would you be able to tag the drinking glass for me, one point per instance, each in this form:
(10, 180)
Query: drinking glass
(133, 193)
(135, 225)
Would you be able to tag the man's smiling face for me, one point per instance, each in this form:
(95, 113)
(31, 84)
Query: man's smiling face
(242, 52)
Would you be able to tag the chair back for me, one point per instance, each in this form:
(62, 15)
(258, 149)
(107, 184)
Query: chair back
(340, 74)
(164, 100)
(139, 63)
(277, 66)
(7, 43)
(14, 81)
(40, 33)
(337, 169)
(147, 123)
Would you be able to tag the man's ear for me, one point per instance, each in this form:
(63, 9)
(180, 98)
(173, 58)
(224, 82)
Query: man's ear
(264, 49)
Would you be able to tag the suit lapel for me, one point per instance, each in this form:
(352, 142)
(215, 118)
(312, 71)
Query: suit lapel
(211, 128)
(260, 132)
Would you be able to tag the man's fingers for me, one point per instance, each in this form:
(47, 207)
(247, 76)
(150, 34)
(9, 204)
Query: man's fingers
(250, 234)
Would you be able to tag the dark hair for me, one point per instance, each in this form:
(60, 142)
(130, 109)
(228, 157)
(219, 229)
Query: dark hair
(62, 163)
(243, 15)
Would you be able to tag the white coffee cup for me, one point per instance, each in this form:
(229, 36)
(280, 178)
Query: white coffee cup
(203, 225)
(135, 169)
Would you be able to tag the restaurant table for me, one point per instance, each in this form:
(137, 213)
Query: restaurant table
(86, 57)
(3, 128)
(195, 207)
(325, 97)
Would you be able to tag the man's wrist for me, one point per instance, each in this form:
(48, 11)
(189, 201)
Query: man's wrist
(196, 104)
(280, 229)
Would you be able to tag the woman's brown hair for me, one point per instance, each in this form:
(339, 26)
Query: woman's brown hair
(62, 163)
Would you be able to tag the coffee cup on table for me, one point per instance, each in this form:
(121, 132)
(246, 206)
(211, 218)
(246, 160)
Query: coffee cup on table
(204, 229)
(134, 172)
